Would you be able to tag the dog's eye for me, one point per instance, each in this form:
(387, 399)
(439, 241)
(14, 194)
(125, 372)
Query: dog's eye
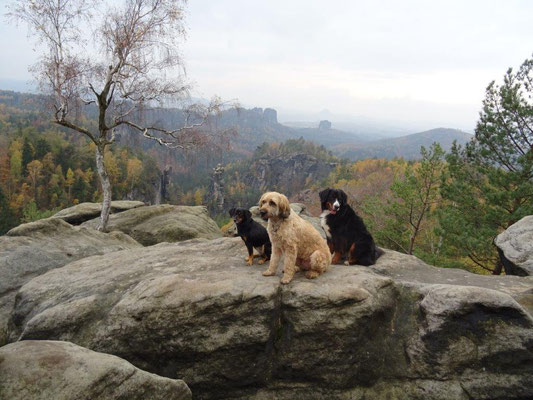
(271, 203)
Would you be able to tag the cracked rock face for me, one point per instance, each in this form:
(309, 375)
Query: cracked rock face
(515, 247)
(55, 370)
(32, 249)
(195, 311)
(82, 212)
(150, 225)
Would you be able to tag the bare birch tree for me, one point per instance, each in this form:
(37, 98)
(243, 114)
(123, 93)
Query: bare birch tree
(136, 45)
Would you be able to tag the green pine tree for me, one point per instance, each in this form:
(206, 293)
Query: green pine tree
(489, 184)
(42, 147)
(27, 154)
(7, 217)
(414, 198)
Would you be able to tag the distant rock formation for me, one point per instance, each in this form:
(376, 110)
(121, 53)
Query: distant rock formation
(324, 125)
(270, 115)
(216, 191)
(515, 247)
(162, 194)
(288, 173)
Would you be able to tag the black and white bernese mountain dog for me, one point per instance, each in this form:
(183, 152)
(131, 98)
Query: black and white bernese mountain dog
(345, 231)
(253, 234)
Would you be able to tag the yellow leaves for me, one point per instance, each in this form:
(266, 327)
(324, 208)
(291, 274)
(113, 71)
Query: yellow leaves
(48, 162)
(34, 174)
(34, 168)
(16, 145)
(199, 196)
(88, 176)
(134, 170)
(70, 179)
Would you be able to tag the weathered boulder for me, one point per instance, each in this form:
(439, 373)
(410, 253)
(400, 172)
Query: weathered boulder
(82, 212)
(42, 369)
(515, 247)
(162, 223)
(194, 310)
(32, 249)
(413, 272)
(298, 208)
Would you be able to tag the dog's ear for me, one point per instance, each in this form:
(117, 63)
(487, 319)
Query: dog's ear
(324, 195)
(247, 214)
(284, 206)
(343, 197)
(231, 212)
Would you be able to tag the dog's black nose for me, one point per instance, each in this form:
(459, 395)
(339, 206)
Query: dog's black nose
(262, 213)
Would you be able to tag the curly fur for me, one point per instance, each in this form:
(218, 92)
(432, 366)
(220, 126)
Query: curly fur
(293, 238)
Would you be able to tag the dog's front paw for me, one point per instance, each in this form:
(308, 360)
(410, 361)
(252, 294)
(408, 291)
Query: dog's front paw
(250, 261)
(262, 261)
(311, 274)
(269, 273)
(286, 280)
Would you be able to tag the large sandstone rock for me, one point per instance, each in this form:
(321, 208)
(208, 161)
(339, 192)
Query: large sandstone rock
(515, 247)
(162, 223)
(298, 208)
(85, 211)
(194, 310)
(51, 370)
(32, 249)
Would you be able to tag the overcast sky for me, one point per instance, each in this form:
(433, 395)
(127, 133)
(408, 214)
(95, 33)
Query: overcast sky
(416, 63)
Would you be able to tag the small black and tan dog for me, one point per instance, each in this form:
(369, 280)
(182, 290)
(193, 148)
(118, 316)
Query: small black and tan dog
(253, 234)
(345, 231)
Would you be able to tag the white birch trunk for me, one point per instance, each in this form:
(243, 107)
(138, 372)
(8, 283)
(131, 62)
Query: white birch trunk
(106, 189)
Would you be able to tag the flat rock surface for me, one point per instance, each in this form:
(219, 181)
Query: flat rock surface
(515, 246)
(150, 225)
(195, 311)
(53, 370)
(412, 271)
(32, 249)
(85, 211)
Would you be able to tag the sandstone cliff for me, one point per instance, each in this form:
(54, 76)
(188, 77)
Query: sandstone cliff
(195, 311)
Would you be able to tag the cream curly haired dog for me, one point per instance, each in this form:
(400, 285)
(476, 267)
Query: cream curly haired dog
(294, 238)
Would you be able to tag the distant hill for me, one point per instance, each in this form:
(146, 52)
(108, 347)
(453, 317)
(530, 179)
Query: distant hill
(407, 147)
(329, 137)
(257, 126)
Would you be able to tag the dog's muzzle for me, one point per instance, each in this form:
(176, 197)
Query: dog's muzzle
(263, 214)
